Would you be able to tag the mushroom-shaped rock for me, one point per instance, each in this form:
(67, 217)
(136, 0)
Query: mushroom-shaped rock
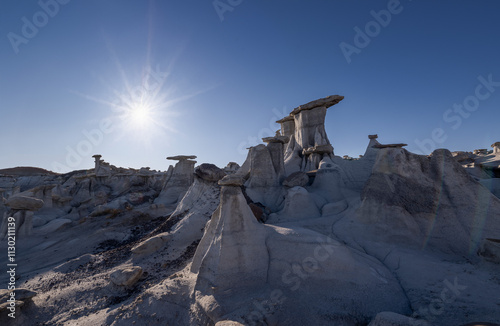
(287, 126)
(179, 182)
(24, 203)
(209, 172)
(126, 276)
(496, 147)
(309, 143)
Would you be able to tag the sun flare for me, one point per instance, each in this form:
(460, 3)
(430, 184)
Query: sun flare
(140, 115)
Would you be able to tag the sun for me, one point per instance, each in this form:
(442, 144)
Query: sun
(140, 115)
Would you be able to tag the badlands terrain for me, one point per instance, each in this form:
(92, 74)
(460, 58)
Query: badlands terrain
(296, 235)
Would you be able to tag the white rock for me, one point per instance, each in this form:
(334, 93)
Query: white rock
(151, 245)
(126, 276)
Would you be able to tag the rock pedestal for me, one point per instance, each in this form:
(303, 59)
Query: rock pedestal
(21, 215)
(232, 250)
(496, 148)
(180, 181)
(309, 142)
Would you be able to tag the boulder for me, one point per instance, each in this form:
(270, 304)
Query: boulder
(209, 172)
(126, 276)
(228, 323)
(24, 203)
(150, 245)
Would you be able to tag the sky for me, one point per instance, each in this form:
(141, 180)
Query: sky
(137, 81)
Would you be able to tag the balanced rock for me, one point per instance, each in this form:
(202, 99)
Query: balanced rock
(126, 276)
(24, 203)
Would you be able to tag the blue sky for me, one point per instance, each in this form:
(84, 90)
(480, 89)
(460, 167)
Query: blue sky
(137, 80)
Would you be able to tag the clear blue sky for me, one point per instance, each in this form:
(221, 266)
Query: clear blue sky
(223, 82)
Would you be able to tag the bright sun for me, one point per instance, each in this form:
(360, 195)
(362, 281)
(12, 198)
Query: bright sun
(140, 115)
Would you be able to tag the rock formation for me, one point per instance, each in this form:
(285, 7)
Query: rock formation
(427, 201)
(309, 142)
(19, 220)
(179, 182)
(496, 148)
(295, 236)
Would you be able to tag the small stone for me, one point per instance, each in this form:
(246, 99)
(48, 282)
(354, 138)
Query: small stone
(126, 276)
(149, 246)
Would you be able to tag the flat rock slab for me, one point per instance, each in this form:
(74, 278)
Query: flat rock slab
(24, 203)
(181, 157)
(322, 102)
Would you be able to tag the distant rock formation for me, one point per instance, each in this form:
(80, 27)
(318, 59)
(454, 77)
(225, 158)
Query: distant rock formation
(179, 181)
